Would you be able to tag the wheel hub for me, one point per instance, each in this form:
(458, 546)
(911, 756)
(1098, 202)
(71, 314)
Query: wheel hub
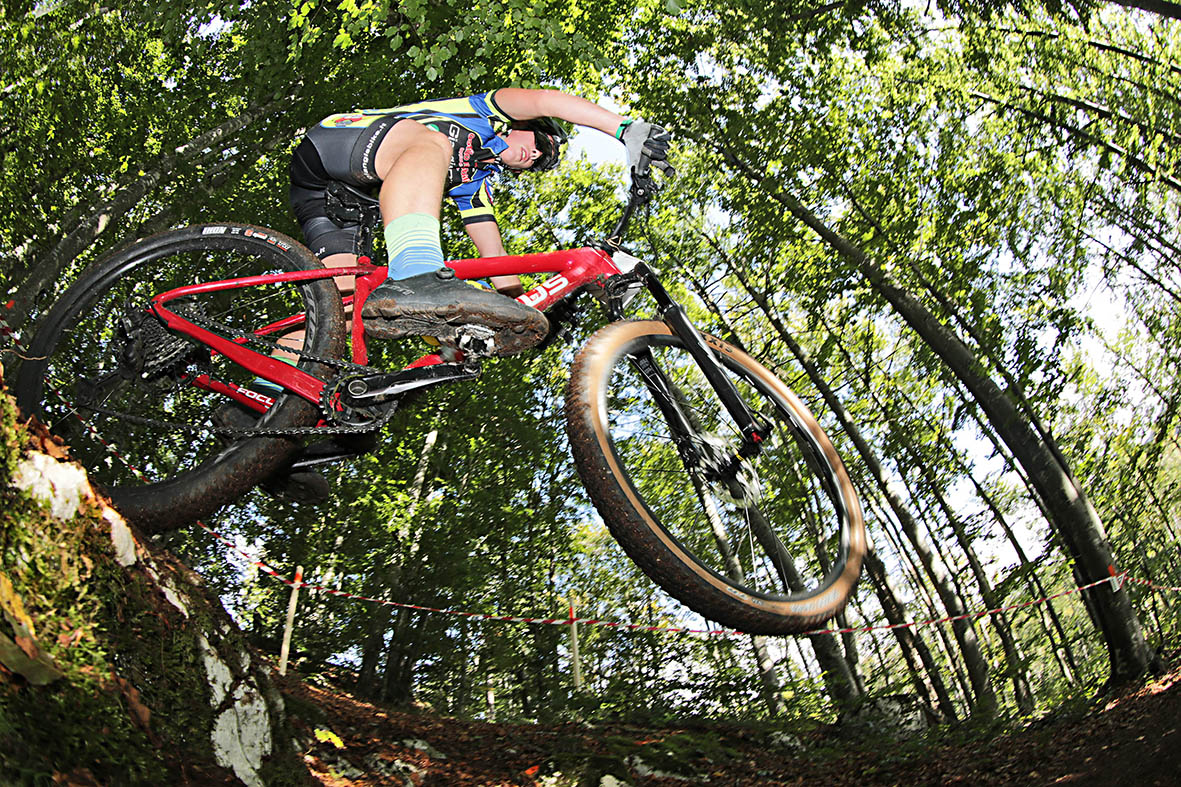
(731, 476)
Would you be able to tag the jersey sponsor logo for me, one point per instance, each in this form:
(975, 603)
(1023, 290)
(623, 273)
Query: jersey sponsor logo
(368, 156)
(465, 158)
(349, 120)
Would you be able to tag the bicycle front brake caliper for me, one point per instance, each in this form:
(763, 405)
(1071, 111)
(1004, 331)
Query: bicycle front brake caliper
(755, 437)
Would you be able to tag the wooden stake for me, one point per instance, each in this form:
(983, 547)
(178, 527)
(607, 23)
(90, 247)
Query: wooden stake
(575, 661)
(286, 647)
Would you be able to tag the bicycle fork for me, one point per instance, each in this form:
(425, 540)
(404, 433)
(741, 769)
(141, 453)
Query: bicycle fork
(755, 430)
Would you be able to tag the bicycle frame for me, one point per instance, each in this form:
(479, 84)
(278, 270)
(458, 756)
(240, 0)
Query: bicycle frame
(572, 270)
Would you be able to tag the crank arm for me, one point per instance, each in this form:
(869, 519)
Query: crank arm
(378, 389)
(315, 460)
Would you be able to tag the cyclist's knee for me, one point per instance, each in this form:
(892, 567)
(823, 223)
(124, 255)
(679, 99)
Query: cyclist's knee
(412, 145)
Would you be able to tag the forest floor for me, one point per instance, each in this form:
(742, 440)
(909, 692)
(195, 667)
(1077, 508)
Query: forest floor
(1130, 737)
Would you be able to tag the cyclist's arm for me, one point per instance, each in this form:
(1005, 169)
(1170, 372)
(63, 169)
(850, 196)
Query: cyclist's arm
(486, 236)
(524, 104)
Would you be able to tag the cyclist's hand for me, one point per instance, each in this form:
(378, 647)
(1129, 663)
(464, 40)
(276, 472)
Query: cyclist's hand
(646, 145)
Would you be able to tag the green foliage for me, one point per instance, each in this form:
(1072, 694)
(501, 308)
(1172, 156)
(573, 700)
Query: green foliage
(1002, 172)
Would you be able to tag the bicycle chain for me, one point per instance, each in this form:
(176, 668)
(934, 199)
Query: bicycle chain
(330, 388)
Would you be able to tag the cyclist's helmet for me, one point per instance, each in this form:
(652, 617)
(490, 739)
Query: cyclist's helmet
(549, 136)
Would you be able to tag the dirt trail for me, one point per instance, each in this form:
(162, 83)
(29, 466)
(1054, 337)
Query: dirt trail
(1131, 738)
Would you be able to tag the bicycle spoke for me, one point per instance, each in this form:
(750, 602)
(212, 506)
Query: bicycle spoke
(744, 544)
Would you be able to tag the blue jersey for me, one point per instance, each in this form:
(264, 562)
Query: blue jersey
(471, 124)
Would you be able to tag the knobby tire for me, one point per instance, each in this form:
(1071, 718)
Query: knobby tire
(710, 551)
(72, 338)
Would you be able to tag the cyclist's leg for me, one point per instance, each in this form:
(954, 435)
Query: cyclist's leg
(422, 297)
(321, 157)
(334, 246)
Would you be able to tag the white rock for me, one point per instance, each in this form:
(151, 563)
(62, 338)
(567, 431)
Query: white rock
(121, 537)
(242, 733)
(62, 485)
(424, 747)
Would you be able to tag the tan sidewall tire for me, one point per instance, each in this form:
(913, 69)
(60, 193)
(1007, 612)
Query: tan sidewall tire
(643, 537)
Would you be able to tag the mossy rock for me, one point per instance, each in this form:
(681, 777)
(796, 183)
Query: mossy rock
(116, 667)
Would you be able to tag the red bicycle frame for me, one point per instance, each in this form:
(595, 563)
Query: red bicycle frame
(571, 269)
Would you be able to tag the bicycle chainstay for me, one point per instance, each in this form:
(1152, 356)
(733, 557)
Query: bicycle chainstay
(330, 389)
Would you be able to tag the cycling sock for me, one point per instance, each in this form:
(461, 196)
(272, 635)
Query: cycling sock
(412, 243)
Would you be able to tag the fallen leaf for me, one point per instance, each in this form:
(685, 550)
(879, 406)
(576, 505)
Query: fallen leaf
(28, 646)
(140, 713)
(70, 639)
(39, 670)
(80, 777)
(12, 605)
(56, 451)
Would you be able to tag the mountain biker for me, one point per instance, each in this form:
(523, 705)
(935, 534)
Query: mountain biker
(415, 154)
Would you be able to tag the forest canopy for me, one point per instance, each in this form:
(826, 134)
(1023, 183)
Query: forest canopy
(952, 229)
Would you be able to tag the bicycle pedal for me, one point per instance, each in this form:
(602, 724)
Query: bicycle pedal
(475, 340)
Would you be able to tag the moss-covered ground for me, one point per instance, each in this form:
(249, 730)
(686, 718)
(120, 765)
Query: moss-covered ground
(118, 693)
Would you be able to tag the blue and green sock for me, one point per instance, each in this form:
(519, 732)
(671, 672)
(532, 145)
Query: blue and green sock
(412, 243)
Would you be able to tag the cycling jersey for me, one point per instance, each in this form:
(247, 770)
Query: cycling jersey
(470, 124)
(344, 147)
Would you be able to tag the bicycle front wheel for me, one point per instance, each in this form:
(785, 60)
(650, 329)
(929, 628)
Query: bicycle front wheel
(118, 387)
(769, 545)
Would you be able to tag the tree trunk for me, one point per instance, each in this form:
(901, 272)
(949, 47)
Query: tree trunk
(852, 654)
(984, 702)
(371, 650)
(1037, 589)
(911, 643)
(1073, 517)
(1051, 628)
(772, 689)
(923, 593)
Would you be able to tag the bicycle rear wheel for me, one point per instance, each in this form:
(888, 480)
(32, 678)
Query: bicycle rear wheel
(767, 545)
(118, 387)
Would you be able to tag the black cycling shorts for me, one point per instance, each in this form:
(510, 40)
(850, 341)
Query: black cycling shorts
(345, 153)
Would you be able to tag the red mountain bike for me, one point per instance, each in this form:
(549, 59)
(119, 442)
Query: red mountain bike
(713, 476)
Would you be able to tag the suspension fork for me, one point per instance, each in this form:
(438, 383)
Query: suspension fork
(755, 430)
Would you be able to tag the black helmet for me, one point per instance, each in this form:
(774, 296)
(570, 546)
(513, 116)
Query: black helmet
(549, 136)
